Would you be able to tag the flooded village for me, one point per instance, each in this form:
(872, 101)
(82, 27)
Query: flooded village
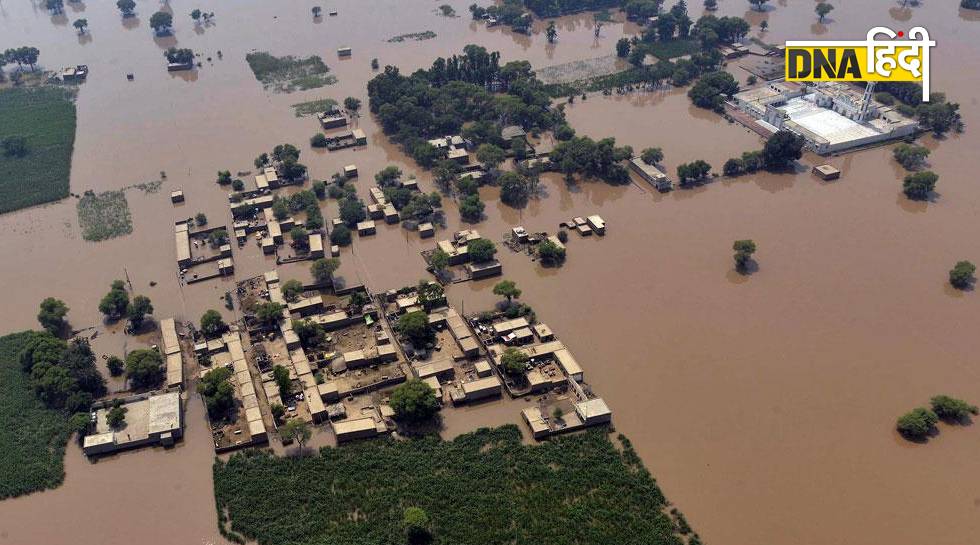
(779, 388)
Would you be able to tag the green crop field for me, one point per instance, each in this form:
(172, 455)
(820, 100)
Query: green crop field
(45, 118)
(481, 488)
(32, 437)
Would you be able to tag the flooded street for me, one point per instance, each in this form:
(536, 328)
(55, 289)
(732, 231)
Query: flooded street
(763, 404)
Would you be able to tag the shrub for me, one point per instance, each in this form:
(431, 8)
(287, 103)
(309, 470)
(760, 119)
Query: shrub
(919, 185)
(918, 423)
(961, 275)
(952, 409)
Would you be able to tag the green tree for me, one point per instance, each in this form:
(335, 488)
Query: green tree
(415, 326)
(952, 409)
(415, 522)
(201, 219)
(471, 208)
(513, 361)
(514, 189)
(224, 177)
(822, 9)
(961, 275)
(310, 333)
(550, 253)
(711, 89)
(910, 156)
(340, 235)
(217, 391)
(414, 401)
(114, 304)
(319, 140)
(138, 309)
(297, 430)
(212, 324)
(352, 211)
(939, 116)
(281, 375)
(218, 237)
(126, 7)
(508, 289)
(323, 269)
(269, 313)
(278, 411)
(623, 48)
(162, 22)
(388, 176)
(439, 260)
(430, 294)
(918, 423)
(481, 250)
(196, 15)
(919, 185)
(144, 368)
(116, 417)
(52, 315)
(490, 155)
(352, 104)
(652, 156)
(292, 290)
(743, 253)
(781, 149)
(115, 365)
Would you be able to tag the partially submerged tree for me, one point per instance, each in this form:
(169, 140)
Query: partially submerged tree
(910, 156)
(269, 313)
(126, 7)
(81, 25)
(952, 409)
(743, 254)
(550, 253)
(781, 149)
(144, 368)
(481, 250)
(414, 402)
(917, 424)
(212, 324)
(52, 315)
(919, 185)
(162, 23)
(415, 326)
(323, 269)
(822, 9)
(508, 289)
(114, 304)
(138, 309)
(652, 156)
(961, 275)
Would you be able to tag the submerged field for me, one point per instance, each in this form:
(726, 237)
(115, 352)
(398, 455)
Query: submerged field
(44, 117)
(483, 487)
(32, 437)
(288, 74)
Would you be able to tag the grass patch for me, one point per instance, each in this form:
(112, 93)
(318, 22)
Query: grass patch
(105, 215)
(313, 107)
(417, 36)
(32, 437)
(671, 49)
(289, 73)
(45, 117)
(483, 487)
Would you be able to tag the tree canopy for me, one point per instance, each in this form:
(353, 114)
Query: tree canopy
(415, 326)
(781, 149)
(144, 368)
(508, 289)
(743, 253)
(414, 401)
(917, 424)
(212, 324)
(961, 275)
(919, 185)
(952, 409)
(513, 361)
(322, 269)
(52, 315)
(481, 250)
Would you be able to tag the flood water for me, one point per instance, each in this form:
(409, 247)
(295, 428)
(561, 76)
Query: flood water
(764, 405)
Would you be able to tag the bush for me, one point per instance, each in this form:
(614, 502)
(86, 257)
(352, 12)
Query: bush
(551, 253)
(340, 235)
(318, 140)
(414, 401)
(919, 185)
(917, 424)
(910, 156)
(952, 409)
(961, 275)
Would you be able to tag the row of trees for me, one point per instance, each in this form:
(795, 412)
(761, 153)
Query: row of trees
(919, 423)
(591, 159)
(20, 55)
(779, 153)
(116, 305)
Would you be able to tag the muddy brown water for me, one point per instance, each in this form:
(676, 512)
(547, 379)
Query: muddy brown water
(764, 404)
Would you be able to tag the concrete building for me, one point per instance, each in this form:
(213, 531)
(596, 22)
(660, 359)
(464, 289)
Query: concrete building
(358, 428)
(350, 171)
(316, 245)
(171, 352)
(150, 420)
(826, 172)
(597, 224)
(476, 390)
(485, 269)
(653, 175)
(365, 228)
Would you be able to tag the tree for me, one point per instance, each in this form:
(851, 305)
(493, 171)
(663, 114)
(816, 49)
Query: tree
(710, 90)
(918, 423)
(711, 5)
(823, 9)
(514, 189)
(323, 269)
(758, 4)
(55, 6)
(481, 250)
(224, 177)
(415, 326)
(694, 171)
(218, 237)
(939, 116)
(181, 56)
(297, 430)
(114, 304)
(743, 253)
(439, 260)
(340, 235)
(352, 104)
(144, 368)
(550, 253)
(430, 294)
(126, 7)
(115, 417)
(212, 323)
(508, 289)
(318, 140)
(414, 402)
(514, 361)
(217, 391)
(781, 149)
(310, 333)
(910, 156)
(733, 167)
(623, 48)
(961, 275)
(52, 315)
(919, 185)
(278, 411)
(652, 156)
(490, 155)
(81, 25)
(292, 290)
(281, 375)
(138, 309)
(269, 313)
(161, 22)
(351, 210)
(415, 522)
(952, 409)
(551, 32)
(471, 208)
(283, 152)
(115, 365)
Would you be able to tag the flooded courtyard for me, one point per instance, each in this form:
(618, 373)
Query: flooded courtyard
(763, 404)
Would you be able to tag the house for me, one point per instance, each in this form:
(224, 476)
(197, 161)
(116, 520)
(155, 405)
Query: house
(390, 214)
(426, 230)
(332, 119)
(651, 174)
(316, 245)
(511, 132)
(485, 269)
(475, 390)
(357, 428)
(826, 172)
(177, 196)
(350, 171)
(365, 228)
(344, 51)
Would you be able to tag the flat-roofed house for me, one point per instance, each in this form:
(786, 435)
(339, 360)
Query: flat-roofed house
(653, 175)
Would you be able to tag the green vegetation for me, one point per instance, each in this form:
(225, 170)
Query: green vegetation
(939, 115)
(212, 324)
(296, 430)
(281, 375)
(652, 156)
(114, 304)
(52, 316)
(491, 488)
(743, 254)
(415, 326)
(513, 361)
(292, 290)
(116, 366)
(138, 308)
(471, 208)
(910, 156)
(414, 401)
(310, 333)
(37, 125)
(591, 159)
(415, 522)
(116, 416)
(179, 55)
(919, 185)
(514, 189)
(126, 7)
(481, 250)
(781, 150)
(217, 391)
(105, 215)
(961, 275)
(917, 424)
(289, 73)
(693, 172)
(416, 36)
(162, 23)
(507, 289)
(822, 9)
(269, 313)
(32, 436)
(550, 253)
(951, 409)
(313, 107)
(323, 269)
(340, 235)
(711, 89)
(144, 369)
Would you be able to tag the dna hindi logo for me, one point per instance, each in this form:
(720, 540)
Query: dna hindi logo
(873, 59)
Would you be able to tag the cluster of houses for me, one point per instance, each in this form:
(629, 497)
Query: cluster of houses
(189, 243)
(457, 248)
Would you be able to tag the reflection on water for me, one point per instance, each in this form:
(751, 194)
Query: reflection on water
(779, 388)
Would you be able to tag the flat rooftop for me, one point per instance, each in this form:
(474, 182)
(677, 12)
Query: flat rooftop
(827, 124)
